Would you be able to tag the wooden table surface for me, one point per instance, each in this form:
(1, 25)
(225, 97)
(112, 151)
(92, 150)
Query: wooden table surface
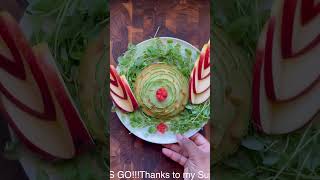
(133, 21)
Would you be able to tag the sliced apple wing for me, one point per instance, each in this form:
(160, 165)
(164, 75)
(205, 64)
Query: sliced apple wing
(199, 86)
(48, 139)
(204, 71)
(70, 115)
(200, 97)
(280, 117)
(130, 103)
(123, 104)
(284, 117)
(17, 61)
(26, 102)
(129, 92)
(293, 48)
(117, 86)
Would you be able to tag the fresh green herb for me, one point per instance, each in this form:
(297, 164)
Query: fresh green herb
(242, 20)
(67, 26)
(152, 129)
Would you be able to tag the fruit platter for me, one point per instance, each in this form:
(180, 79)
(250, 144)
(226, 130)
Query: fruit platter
(161, 87)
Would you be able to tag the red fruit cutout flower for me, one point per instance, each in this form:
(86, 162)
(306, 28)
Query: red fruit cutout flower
(162, 128)
(161, 94)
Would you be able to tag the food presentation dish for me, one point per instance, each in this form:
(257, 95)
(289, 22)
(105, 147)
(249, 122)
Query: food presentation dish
(160, 100)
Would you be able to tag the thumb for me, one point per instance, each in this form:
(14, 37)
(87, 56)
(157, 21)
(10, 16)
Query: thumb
(187, 145)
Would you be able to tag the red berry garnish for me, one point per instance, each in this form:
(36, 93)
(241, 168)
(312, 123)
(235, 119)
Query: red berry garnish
(161, 94)
(162, 127)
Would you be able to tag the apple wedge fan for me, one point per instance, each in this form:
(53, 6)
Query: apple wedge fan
(121, 93)
(199, 84)
(286, 85)
(33, 98)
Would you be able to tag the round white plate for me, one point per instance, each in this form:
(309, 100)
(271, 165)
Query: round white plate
(158, 138)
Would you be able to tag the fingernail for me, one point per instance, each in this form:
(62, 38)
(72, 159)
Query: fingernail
(179, 137)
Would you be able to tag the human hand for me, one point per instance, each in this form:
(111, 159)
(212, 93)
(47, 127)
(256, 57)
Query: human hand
(193, 154)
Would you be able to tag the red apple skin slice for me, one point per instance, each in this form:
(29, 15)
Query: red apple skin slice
(45, 155)
(308, 11)
(260, 56)
(203, 72)
(20, 116)
(197, 98)
(279, 118)
(79, 133)
(129, 93)
(270, 87)
(23, 58)
(269, 75)
(118, 91)
(255, 93)
(36, 133)
(282, 84)
(33, 131)
(207, 59)
(199, 86)
(113, 76)
(126, 105)
(123, 104)
(117, 88)
(113, 79)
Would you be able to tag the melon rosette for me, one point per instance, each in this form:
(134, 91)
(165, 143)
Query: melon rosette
(157, 91)
(161, 90)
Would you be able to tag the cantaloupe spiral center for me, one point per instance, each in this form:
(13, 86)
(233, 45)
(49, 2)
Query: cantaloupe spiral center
(161, 90)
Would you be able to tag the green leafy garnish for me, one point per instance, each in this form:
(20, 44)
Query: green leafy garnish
(67, 26)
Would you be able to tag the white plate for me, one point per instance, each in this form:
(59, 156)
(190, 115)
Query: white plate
(158, 138)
